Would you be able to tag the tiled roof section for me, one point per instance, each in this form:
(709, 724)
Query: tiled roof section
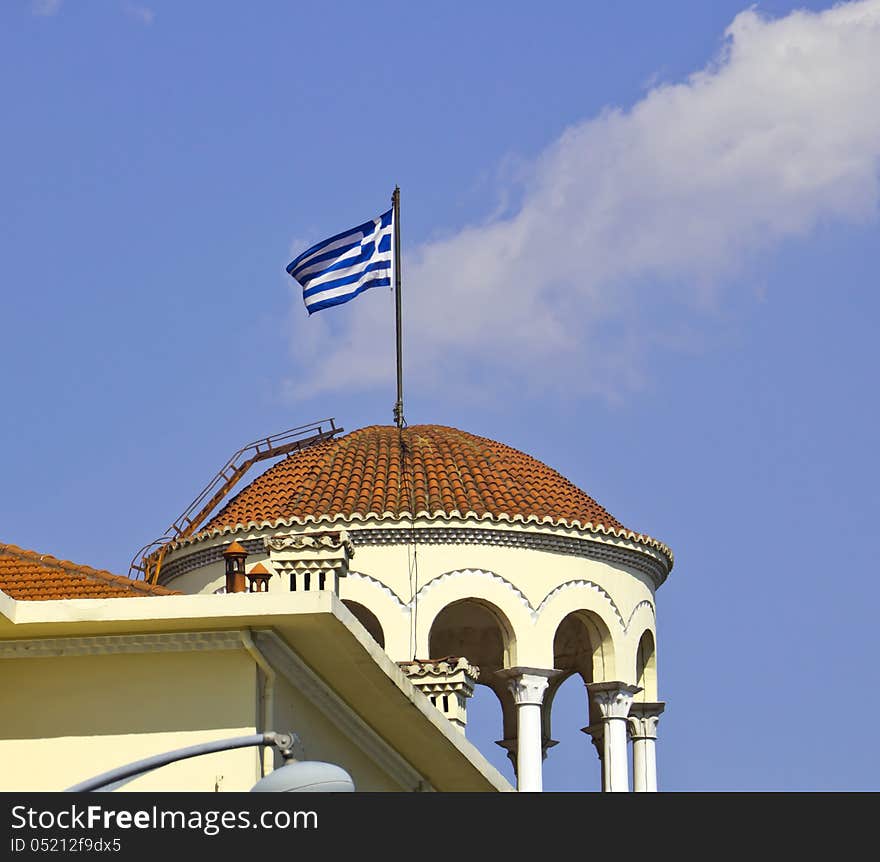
(453, 473)
(30, 576)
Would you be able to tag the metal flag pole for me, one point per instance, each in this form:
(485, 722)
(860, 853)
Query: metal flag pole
(398, 406)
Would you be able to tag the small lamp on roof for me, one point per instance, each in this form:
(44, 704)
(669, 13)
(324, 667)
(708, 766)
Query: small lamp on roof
(235, 555)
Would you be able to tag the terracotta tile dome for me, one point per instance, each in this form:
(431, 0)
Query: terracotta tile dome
(446, 472)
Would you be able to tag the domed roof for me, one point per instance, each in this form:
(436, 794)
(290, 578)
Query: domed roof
(445, 472)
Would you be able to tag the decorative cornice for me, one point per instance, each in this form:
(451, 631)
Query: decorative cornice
(325, 541)
(121, 644)
(427, 669)
(648, 555)
(438, 515)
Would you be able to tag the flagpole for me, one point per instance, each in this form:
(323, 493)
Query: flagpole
(398, 406)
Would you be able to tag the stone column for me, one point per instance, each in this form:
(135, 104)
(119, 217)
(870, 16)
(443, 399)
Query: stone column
(527, 685)
(614, 700)
(642, 726)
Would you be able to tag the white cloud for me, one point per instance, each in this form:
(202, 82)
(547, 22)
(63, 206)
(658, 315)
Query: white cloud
(631, 211)
(45, 7)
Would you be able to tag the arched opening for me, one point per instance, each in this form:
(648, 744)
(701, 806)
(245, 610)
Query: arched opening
(646, 668)
(475, 630)
(368, 620)
(481, 633)
(572, 764)
(581, 647)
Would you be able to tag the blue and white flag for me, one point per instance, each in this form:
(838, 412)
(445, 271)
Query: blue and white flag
(338, 269)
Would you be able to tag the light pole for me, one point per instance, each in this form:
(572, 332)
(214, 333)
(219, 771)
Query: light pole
(294, 776)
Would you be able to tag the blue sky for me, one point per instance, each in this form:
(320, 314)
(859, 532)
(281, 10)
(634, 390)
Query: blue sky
(640, 243)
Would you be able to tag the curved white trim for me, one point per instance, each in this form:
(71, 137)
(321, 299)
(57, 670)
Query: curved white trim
(439, 515)
(645, 603)
(483, 573)
(375, 582)
(582, 583)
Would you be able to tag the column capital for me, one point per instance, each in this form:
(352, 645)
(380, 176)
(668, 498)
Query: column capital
(527, 684)
(643, 719)
(614, 698)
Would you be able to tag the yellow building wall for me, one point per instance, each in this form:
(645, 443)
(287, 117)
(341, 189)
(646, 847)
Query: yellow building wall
(68, 718)
(322, 740)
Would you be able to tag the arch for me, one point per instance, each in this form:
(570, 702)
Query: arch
(480, 631)
(509, 606)
(641, 617)
(368, 620)
(393, 616)
(646, 667)
(475, 629)
(582, 644)
(589, 620)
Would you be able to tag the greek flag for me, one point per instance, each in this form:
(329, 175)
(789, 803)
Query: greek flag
(338, 269)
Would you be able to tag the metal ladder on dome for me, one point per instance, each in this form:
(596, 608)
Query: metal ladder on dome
(147, 562)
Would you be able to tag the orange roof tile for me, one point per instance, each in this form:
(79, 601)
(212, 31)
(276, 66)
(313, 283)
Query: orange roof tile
(436, 471)
(30, 576)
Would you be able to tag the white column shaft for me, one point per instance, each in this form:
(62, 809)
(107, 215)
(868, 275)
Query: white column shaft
(528, 750)
(614, 700)
(615, 773)
(644, 765)
(527, 685)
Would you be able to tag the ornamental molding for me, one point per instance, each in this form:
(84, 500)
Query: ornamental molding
(446, 682)
(326, 541)
(477, 573)
(614, 699)
(528, 690)
(642, 603)
(286, 662)
(534, 612)
(588, 585)
(625, 548)
(374, 582)
(643, 719)
(437, 670)
(642, 727)
(121, 644)
(527, 684)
